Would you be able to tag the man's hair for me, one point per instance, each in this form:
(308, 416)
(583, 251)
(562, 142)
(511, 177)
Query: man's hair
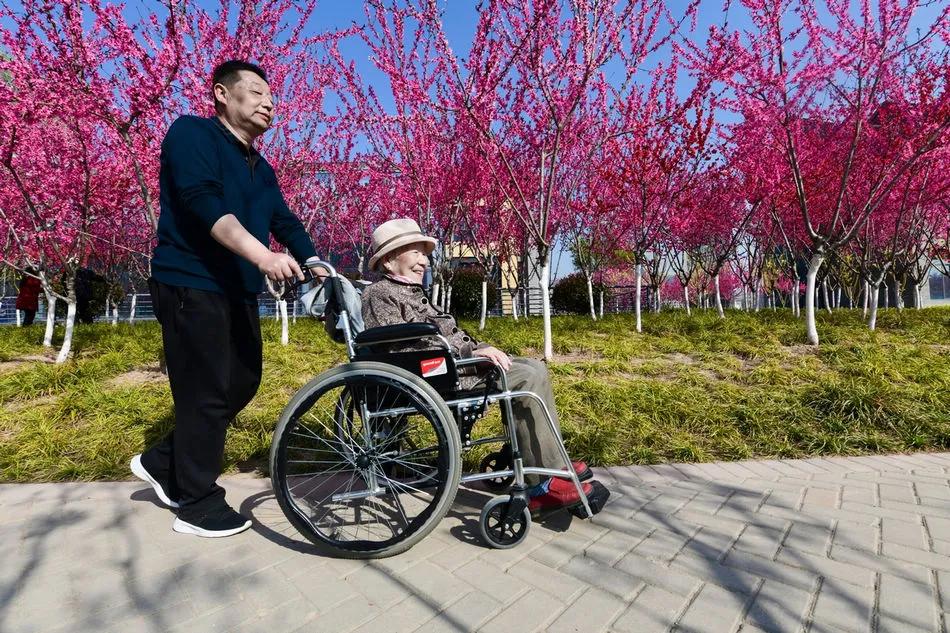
(228, 74)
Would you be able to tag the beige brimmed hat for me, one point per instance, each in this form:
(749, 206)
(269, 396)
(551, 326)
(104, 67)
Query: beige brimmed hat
(393, 234)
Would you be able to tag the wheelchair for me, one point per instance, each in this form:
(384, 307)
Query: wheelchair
(366, 458)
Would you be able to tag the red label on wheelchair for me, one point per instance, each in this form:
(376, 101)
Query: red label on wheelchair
(434, 367)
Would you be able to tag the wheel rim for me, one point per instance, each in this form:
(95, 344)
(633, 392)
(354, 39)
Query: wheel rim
(337, 448)
(503, 532)
(495, 462)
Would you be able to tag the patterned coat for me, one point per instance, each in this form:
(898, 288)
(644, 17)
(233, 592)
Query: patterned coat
(390, 302)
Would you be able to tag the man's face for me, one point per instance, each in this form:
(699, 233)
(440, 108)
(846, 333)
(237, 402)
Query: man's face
(248, 104)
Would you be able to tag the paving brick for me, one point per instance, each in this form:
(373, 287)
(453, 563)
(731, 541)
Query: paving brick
(609, 579)
(406, 616)
(827, 567)
(378, 585)
(909, 533)
(557, 583)
(904, 605)
(844, 606)
(909, 554)
(612, 546)
(652, 573)
(789, 575)
(803, 537)
(590, 613)
(653, 611)
(759, 540)
(821, 497)
(464, 615)
(531, 612)
(433, 583)
(345, 616)
(778, 608)
(853, 536)
(933, 490)
(499, 585)
(882, 564)
(725, 576)
(663, 545)
(713, 607)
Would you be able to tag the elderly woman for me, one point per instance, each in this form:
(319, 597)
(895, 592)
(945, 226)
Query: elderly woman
(401, 252)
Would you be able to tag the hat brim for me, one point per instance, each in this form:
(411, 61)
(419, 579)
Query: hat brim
(429, 242)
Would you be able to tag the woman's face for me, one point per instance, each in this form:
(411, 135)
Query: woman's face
(410, 261)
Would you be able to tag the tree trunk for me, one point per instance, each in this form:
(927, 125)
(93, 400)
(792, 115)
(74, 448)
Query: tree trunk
(745, 297)
(50, 320)
(115, 313)
(887, 295)
(872, 323)
(68, 338)
(686, 300)
(636, 299)
(838, 298)
(722, 315)
(590, 296)
(132, 308)
(436, 287)
(284, 328)
(867, 299)
(793, 302)
(824, 294)
(918, 300)
(601, 311)
(898, 295)
(19, 318)
(659, 300)
(813, 265)
(448, 299)
(514, 304)
(295, 311)
(546, 305)
(481, 321)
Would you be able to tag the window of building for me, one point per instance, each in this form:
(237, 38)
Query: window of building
(939, 286)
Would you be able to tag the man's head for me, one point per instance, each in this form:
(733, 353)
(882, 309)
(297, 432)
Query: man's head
(243, 98)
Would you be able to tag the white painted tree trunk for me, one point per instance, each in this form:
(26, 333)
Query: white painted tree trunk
(872, 322)
(296, 303)
(793, 301)
(19, 318)
(115, 314)
(824, 294)
(813, 265)
(636, 299)
(436, 287)
(50, 320)
(484, 311)
(284, 327)
(918, 300)
(590, 297)
(546, 306)
(898, 295)
(68, 338)
(838, 298)
(514, 305)
(745, 298)
(686, 300)
(887, 295)
(132, 308)
(659, 300)
(758, 292)
(601, 306)
(448, 299)
(722, 315)
(867, 295)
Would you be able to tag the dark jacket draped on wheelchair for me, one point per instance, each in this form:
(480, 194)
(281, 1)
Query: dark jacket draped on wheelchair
(391, 302)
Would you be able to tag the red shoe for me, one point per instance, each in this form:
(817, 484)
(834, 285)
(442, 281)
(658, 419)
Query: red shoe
(561, 494)
(582, 470)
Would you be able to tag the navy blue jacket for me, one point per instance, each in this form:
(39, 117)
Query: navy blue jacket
(206, 173)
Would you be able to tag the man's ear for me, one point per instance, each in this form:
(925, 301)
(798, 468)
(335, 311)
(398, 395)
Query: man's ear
(220, 94)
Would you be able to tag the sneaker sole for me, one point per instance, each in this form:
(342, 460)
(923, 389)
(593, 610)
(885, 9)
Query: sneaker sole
(139, 471)
(183, 527)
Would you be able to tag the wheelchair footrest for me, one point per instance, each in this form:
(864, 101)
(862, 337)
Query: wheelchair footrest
(597, 499)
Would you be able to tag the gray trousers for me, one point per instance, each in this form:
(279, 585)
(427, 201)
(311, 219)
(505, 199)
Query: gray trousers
(536, 441)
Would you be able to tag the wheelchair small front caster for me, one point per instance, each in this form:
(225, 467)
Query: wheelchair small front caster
(500, 530)
(498, 460)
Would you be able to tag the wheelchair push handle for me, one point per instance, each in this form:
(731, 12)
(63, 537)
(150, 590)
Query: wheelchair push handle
(288, 289)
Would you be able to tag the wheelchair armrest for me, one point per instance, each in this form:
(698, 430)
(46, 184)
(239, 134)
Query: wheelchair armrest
(398, 332)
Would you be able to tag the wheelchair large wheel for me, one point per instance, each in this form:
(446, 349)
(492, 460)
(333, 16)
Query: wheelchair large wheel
(366, 460)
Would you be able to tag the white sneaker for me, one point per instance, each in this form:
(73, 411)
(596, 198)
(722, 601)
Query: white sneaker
(139, 471)
(216, 522)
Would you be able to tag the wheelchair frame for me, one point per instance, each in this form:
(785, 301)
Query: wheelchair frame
(459, 407)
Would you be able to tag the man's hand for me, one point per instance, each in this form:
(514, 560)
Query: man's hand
(279, 267)
(496, 355)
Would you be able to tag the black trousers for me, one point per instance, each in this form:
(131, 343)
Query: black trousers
(212, 349)
(28, 317)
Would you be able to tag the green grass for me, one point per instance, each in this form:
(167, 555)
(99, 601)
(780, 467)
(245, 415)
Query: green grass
(687, 389)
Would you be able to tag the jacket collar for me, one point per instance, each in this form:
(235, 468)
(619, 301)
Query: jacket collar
(248, 150)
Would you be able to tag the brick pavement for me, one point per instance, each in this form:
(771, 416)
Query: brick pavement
(840, 544)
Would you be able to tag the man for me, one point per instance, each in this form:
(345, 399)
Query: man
(220, 202)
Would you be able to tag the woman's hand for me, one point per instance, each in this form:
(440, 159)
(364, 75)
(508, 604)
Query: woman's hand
(496, 355)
